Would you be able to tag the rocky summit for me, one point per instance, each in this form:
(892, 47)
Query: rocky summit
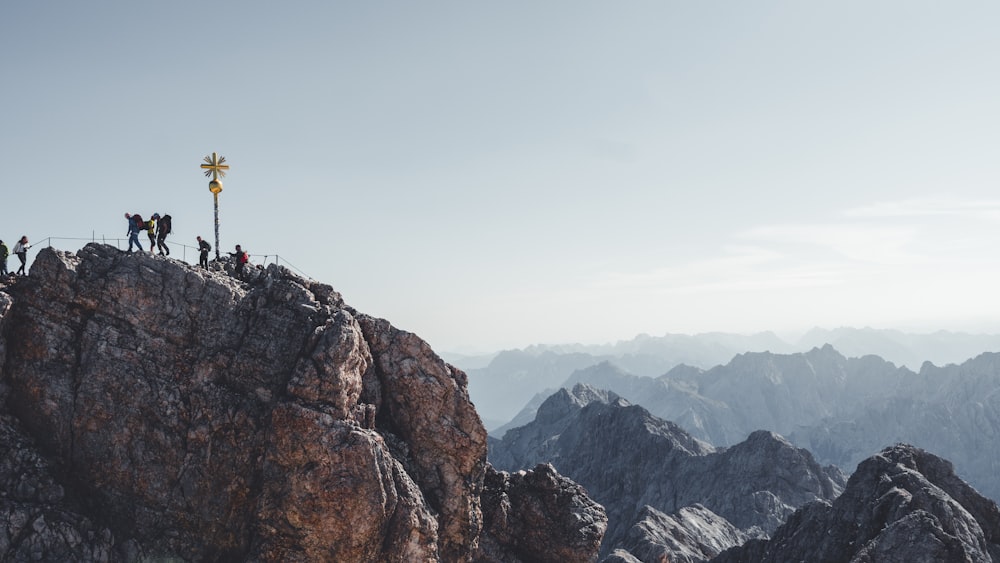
(150, 410)
(901, 505)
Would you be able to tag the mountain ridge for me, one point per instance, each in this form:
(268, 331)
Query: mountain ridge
(617, 450)
(841, 409)
(512, 377)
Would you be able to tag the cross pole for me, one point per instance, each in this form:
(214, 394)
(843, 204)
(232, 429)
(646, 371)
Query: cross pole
(216, 167)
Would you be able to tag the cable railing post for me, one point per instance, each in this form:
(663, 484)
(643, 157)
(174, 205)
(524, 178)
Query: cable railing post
(48, 241)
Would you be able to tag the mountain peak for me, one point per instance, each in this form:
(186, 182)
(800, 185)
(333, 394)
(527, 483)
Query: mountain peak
(155, 410)
(902, 504)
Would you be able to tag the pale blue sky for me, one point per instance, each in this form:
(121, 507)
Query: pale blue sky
(498, 174)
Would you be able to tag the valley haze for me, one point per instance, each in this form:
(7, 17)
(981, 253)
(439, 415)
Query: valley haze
(841, 394)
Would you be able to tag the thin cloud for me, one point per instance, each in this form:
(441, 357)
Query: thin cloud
(873, 245)
(877, 244)
(929, 207)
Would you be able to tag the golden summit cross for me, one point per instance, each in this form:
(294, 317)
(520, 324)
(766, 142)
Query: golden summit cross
(215, 166)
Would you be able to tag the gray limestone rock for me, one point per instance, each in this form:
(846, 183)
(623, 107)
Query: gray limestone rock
(527, 510)
(691, 535)
(628, 459)
(903, 504)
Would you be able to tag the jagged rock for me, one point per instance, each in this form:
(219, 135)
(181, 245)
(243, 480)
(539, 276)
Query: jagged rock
(188, 415)
(524, 511)
(426, 403)
(623, 556)
(531, 444)
(627, 459)
(903, 504)
(37, 521)
(692, 535)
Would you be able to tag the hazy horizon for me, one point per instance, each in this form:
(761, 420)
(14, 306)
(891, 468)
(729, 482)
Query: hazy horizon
(491, 176)
(790, 337)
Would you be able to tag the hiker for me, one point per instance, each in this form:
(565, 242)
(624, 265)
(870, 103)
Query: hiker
(133, 230)
(162, 230)
(204, 247)
(21, 249)
(150, 228)
(241, 259)
(4, 252)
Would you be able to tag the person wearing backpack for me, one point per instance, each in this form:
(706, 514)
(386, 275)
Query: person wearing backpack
(204, 247)
(133, 231)
(150, 228)
(241, 258)
(4, 252)
(162, 230)
(21, 249)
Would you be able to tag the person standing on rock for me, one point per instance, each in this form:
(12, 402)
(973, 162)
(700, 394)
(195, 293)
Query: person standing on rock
(21, 249)
(4, 252)
(133, 231)
(241, 259)
(204, 247)
(162, 230)
(150, 227)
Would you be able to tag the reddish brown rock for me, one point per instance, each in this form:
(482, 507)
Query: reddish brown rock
(200, 418)
(539, 516)
(426, 403)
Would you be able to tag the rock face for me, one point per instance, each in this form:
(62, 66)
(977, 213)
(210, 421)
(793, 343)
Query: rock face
(693, 534)
(541, 516)
(903, 504)
(153, 410)
(628, 459)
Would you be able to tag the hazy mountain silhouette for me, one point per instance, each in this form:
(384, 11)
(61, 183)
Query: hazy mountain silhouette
(842, 409)
(502, 388)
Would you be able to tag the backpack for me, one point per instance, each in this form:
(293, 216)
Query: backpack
(165, 225)
(139, 223)
(243, 257)
(207, 245)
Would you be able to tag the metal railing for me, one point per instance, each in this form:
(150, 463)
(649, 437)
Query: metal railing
(118, 243)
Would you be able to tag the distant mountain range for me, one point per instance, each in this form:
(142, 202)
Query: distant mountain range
(670, 497)
(641, 468)
(841, 409)
(511, 379)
